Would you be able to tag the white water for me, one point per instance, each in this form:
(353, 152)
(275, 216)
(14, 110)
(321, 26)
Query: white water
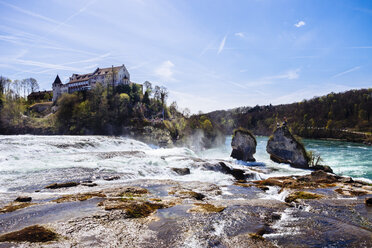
(29, 162)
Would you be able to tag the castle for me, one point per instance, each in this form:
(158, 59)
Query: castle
(79, 82)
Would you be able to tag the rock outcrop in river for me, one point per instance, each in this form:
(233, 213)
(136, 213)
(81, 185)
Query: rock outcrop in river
(244, 145)
(284, 148)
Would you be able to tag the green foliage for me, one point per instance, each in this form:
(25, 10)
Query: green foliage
(314, 158)
(207, 125)
(146, 99)
(98, 111)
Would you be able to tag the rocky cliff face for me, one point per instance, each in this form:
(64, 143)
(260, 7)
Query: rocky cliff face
(284, 148)
(244, 145)
(151, 135)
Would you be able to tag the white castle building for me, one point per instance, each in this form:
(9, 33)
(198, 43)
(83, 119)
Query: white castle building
(79, 82)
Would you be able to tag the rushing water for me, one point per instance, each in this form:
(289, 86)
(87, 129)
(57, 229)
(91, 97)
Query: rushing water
(28, 162)
(345, 158)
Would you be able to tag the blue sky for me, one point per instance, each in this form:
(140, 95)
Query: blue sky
(209, 54)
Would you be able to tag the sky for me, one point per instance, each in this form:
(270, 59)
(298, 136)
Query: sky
(210, 54)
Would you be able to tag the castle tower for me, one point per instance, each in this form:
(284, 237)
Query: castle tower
(56, 86)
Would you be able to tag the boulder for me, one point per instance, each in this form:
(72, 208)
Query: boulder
(325, 168)
(284, 148)
(244, 145)
(23, 199)
(181, 171)
(111, 178)
(62, 185)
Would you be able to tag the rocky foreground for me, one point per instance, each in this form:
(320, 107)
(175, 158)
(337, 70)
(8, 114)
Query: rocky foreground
(316, 210)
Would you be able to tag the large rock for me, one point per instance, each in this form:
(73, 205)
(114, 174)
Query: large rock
(284, 148)
(244, 145)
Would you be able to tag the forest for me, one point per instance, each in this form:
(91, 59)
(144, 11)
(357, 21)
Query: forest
(350, 110)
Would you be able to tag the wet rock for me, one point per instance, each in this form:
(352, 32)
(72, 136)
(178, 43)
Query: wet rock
(193, 194)
(238, 174)
(368, 201)
(111, 178)
(244, 145)
(317, 179)
(133, 190)
(79, 197)
(89, 184)
(133, 209)
(321, 177)
(181, 171)
(206, 208)
(23, 199)
(346, 180)
(284, 148)
(256, 236)
(32, 234)
(62, 185)
(324, 168)
(15, 206)
(302, 195)
(276, 216)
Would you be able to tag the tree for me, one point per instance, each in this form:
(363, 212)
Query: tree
(163, 95)
(34, 86)
(148, 87)
(157, 93)
(3, 82)
(135, 95)
(146, 98)
(173, 108)
(186, 112)
(66, 105)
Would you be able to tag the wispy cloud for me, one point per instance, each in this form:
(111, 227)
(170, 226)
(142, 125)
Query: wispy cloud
(30, 13)
(45, 65)
(240, 34)
(346, 72)
(361, 47)
(250, 84)
(60, 24)
(291, 74)
(165, 71)
(222, 45)
(299, 24)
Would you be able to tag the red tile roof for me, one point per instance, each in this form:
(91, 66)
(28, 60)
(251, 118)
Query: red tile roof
(97, 72)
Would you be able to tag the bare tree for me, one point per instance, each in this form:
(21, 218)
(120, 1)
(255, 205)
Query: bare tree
(173, 108)
(33, 84)
(148, 87)
(3, 82)
(157, 93)
(163, 94)
(16, 88)
(186, 112)
(24, 87)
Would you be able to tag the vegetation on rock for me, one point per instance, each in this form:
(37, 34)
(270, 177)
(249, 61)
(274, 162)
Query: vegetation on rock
(302, 195)
(79, 197)
(15, 206)
(32, 234)
(206, 208)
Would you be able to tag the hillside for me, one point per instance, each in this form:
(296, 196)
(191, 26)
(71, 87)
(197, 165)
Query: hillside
(346, 115)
